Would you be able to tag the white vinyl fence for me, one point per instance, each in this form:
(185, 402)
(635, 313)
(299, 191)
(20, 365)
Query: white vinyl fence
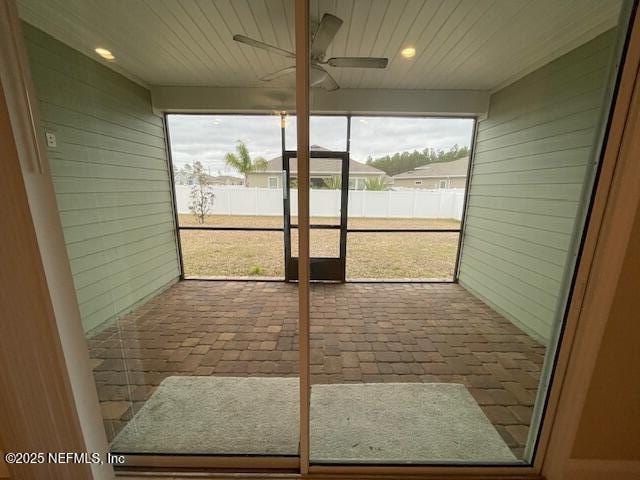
(408, 203)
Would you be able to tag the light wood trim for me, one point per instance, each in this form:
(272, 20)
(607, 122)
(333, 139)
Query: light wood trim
(302, 113)
(37, 409)
(236, 463)
(442, 473)
(430, 472)
(616, 202)
(206, 475)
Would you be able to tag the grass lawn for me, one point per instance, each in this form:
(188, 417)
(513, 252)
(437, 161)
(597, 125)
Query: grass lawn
(369, 255)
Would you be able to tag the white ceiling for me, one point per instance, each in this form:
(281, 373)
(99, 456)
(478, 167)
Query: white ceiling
(460, 44)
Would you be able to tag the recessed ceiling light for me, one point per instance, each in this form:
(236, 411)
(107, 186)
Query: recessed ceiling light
(104, 53)
(408, 52)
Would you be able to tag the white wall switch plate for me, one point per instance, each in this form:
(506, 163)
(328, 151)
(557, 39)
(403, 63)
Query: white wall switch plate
(51, 139)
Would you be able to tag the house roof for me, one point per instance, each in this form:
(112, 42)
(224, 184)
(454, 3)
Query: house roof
(319, 166)
(225, 178)
(454, 168)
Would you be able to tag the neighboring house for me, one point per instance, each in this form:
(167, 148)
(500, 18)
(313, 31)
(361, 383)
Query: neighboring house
(321, 169)
(451, 174)
(225, 180)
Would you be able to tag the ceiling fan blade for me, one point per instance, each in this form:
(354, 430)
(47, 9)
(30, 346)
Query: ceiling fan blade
(327, 30)
(319, 77)
(264, 46)
(358, 62)
(329, 83)
(279, 73)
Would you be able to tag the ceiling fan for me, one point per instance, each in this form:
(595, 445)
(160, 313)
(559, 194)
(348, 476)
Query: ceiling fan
(324, 35)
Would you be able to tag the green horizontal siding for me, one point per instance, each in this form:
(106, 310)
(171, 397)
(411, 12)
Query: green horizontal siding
(111, 177)
(533, 155)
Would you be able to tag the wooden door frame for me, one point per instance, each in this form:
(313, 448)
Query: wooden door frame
(303, 65)
(53, 391)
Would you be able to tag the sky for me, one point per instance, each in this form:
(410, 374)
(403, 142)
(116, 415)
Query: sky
(208, 138)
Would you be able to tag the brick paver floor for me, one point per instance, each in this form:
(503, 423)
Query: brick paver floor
(359, 333)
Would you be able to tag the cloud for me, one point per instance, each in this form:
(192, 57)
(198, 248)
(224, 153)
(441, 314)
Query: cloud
(378, 136)
(208, 138)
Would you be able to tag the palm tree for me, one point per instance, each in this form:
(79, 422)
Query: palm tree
(376, 183)
(242, 162)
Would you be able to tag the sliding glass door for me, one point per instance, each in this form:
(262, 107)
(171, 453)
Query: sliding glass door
(163, 214)
(454, 371)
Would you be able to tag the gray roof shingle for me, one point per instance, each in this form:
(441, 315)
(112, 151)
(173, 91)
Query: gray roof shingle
(331, 166)
(454, 168)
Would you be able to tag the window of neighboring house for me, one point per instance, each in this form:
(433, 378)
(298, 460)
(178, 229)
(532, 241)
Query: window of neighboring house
(274, 182)
(352, 184)
(442, 184)
(317, 182)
